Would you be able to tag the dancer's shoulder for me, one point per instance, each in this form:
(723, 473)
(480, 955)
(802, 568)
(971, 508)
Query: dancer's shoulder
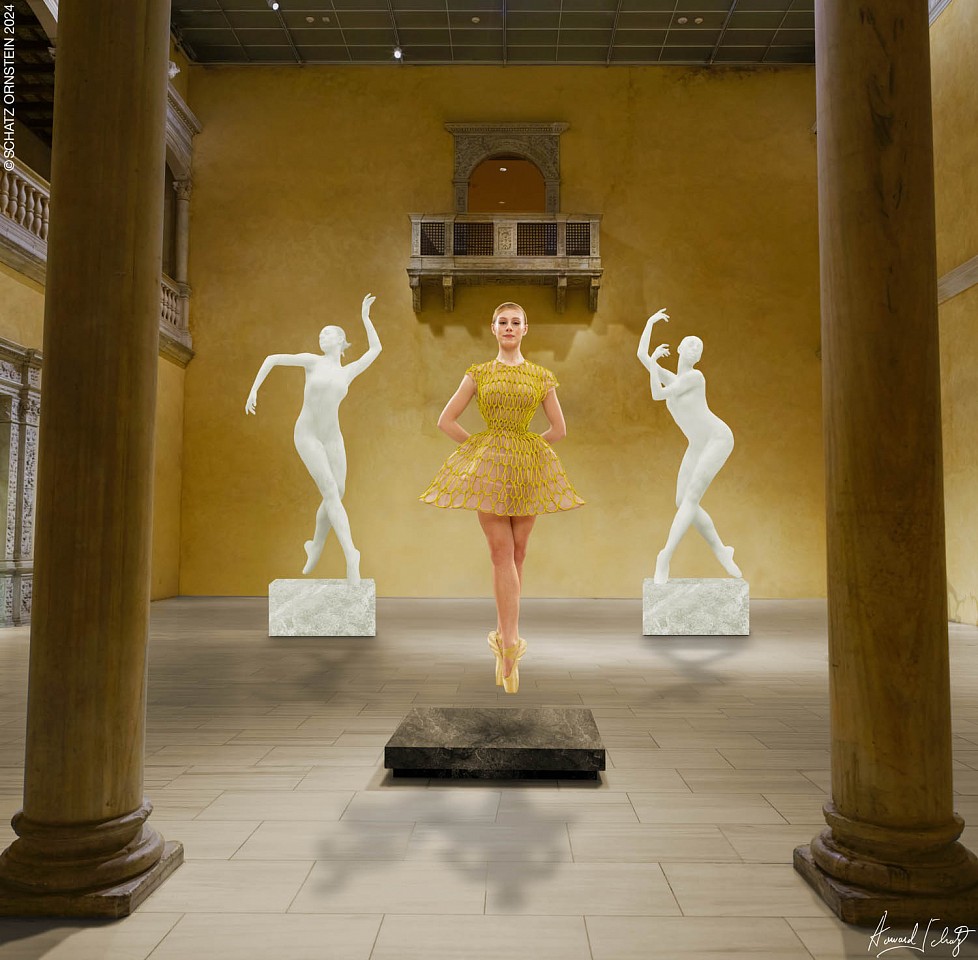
(539, 372)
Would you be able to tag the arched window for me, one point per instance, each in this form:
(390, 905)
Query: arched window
(507, 183)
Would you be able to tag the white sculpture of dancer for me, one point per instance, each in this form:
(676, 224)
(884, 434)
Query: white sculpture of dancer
(318, 439)
(710, 443)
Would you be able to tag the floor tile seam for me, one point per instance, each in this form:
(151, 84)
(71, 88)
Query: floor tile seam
(587, 936)
(166, 934)
(804, 945)
(810, 780)
(298, 889)
(373, 946)
(237, 849)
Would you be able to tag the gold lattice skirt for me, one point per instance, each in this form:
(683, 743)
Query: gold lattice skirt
(511, 474)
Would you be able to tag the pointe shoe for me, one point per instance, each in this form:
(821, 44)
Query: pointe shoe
(726, 558)
(512, 683)
(494, 646)
(661, 574)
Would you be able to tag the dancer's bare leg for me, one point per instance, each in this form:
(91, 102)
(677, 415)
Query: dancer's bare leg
(314, 547)
(702, 521)
(505, 579)
(696, 473)
(704, 525)
(314, 456)
(522, 528)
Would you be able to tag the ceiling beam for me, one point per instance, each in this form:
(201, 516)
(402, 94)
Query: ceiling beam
(723, 30)
(614, 30)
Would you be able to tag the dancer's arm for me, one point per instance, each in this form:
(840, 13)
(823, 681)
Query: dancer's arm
(656, 372)
(666, 376)
(448, 421)
(275, 360)
(680, 385)
(551, 408)
(357, 367)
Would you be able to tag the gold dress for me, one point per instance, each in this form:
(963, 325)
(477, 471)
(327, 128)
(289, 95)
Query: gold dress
(505, 469)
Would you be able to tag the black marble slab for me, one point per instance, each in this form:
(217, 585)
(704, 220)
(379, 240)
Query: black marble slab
(482, 742)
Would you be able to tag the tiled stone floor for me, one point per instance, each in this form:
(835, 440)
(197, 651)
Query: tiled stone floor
(265, 757)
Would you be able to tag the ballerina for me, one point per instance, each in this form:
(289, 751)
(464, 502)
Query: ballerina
(505, 473)
(317, 435)
(710, 443)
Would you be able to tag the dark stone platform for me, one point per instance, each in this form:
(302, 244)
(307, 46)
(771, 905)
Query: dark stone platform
(480, 742)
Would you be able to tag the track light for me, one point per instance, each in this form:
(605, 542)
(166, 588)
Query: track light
(398, 53)
(273, 4)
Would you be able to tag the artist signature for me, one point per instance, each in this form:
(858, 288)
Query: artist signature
(919, 940)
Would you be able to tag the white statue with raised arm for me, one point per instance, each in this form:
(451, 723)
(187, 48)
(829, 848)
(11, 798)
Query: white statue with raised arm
(710, 443)
(317, 431)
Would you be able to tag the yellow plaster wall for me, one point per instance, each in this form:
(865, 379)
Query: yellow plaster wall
(167, 481)
(303, 180)
(21, 308)
(953, 39)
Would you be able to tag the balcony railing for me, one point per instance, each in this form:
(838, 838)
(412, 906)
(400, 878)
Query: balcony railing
(561, 249)
(24, 213)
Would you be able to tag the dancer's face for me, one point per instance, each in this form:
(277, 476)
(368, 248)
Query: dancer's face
(330, 337)
(509, 328)
(691, 348)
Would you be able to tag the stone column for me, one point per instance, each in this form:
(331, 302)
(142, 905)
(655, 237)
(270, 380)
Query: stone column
(182, 229)
(891, 841)
(84, 847)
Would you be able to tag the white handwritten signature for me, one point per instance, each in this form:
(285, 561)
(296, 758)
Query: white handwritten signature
(910, 942)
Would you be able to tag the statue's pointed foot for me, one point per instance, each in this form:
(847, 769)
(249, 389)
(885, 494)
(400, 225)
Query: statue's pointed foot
(661, 568)
(312, 555)
(726, 558)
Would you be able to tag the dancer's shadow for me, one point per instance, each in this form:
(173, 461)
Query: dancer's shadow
(531, 848)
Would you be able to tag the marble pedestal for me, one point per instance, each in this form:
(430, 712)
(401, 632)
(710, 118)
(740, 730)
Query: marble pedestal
(478, 742)
(322, 608)
(697, 607)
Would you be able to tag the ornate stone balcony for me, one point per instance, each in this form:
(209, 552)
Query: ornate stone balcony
(559, 249)
(24, 203)
(24, 198)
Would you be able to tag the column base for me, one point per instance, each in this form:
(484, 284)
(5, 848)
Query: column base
(865, 908)
(109, 904)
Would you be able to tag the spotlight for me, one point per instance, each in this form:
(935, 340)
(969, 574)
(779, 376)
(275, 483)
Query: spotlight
(398, 53)
(273, 4)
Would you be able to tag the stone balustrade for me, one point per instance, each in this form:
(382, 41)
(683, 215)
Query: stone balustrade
(24, 213)
(24, 199)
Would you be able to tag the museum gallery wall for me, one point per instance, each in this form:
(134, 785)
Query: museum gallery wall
(303, 182)
(706, 183)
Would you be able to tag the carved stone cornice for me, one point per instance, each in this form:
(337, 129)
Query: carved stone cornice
(961, 278)
(181, 128)
(22, 251)
(936, 8)
(175, 349)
